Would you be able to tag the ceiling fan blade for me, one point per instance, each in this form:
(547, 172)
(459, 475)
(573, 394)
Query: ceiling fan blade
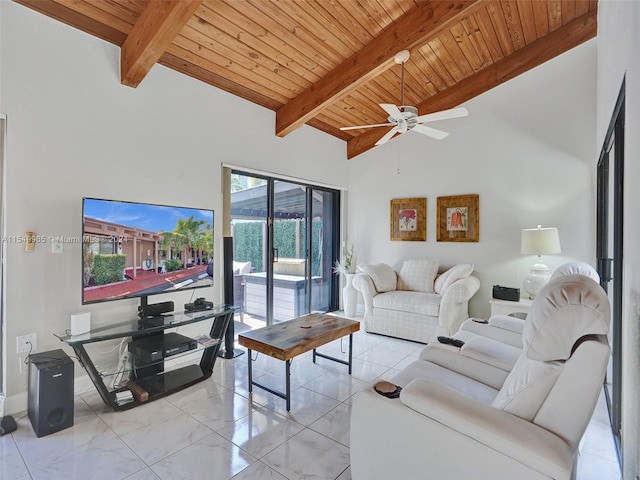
(443, 115)
(431, 132)
(392, 110)
(368, 126)
(387, 136)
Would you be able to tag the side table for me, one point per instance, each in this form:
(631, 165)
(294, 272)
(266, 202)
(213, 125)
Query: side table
(505, 307)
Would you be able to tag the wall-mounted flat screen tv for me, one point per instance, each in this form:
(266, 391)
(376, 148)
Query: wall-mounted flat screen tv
(138, 249)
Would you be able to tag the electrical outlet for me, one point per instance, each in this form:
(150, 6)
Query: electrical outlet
(27, 343)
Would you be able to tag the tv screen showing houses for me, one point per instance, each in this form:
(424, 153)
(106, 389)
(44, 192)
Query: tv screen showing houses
(136, 249)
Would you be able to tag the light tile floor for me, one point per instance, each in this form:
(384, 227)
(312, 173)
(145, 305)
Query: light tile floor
(214, 430)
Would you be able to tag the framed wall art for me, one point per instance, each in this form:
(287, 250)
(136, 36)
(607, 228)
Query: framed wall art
(457, 218)
(408, 219)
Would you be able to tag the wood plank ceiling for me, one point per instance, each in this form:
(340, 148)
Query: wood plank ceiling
(329, 63)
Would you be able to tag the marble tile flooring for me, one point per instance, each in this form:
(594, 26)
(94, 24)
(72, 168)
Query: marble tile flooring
(214, 430)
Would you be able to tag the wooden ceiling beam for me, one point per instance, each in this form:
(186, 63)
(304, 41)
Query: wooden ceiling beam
(151, 35)
(75, 19)
(414, 29)
(565, 38)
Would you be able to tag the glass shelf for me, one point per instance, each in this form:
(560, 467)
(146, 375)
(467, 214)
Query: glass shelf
(140, 326)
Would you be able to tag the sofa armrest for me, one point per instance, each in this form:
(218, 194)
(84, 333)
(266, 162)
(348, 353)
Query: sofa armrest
(454, 305)
(501, 431)
(491, 352)
(364, 283)
(499, 334)
(511, 324)
(451, 358)
(462, 290)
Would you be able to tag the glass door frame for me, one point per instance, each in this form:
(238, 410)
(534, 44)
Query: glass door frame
(610, 269)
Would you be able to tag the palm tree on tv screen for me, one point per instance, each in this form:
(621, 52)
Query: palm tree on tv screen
(189, 234)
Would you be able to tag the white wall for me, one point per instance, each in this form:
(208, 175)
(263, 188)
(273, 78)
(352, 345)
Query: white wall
(74, 131)
(618, 46)
(527, 148)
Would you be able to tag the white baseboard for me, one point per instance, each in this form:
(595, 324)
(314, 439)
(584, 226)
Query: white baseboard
(15, 404)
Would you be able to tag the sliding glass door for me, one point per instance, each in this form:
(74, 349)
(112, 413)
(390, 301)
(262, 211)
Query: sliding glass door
(289, 260)
(324, 234)
(285, 241)
(609, 252)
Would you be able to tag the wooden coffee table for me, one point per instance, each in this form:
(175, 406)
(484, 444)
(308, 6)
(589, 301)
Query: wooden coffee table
(291, 338)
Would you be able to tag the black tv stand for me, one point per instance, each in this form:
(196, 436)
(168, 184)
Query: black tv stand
(151, 376)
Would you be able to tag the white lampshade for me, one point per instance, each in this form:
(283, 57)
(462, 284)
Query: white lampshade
(538, 241)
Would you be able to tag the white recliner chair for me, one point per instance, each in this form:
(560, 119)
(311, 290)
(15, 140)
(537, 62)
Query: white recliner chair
(448, 425)
(491, 349)
(508, 329)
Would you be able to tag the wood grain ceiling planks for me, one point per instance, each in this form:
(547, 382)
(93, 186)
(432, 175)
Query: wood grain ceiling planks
(330, 63)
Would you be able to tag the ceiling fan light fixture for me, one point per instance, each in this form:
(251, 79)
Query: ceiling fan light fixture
(402, 56)
(402, 126)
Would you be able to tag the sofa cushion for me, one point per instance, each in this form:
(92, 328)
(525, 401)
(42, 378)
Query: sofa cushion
(446, 279)
(418, 275)
(383, 276)
(411, 302)
(507, 322)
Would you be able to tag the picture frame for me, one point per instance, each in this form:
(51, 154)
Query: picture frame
(458, 218)
(408, 219)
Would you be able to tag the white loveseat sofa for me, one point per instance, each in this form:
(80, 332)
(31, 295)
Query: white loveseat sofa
(415, 303)
(527, 428)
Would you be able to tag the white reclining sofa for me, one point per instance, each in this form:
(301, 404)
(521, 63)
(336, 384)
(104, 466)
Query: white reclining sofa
(508, 329)
(491, 349)
(415, 303)
(449, 425)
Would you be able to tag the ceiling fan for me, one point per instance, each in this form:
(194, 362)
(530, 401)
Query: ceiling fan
(405, 118)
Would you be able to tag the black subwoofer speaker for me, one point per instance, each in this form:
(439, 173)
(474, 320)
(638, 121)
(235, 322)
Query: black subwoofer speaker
(50, 403)
(229, 336)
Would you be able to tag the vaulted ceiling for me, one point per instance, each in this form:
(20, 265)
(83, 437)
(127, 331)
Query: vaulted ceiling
(329, 63)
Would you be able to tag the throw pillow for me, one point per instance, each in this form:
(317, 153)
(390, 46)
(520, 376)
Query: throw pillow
(383, 276)
(452, 275)
(418, 275)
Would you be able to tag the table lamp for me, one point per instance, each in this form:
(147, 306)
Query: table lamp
(538, 241)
